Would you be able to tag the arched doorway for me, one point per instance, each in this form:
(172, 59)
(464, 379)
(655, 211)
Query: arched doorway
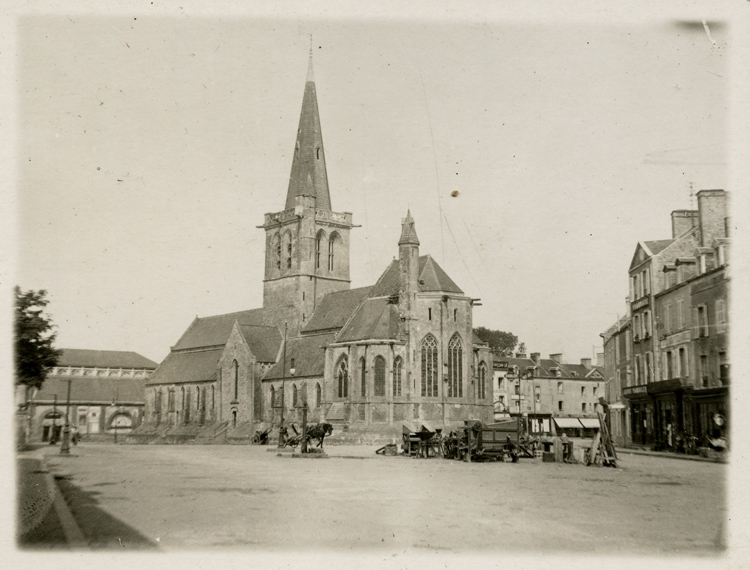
(121, 422)
(52, 425)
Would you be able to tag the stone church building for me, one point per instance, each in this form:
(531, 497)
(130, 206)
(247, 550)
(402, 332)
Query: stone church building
(363, 359)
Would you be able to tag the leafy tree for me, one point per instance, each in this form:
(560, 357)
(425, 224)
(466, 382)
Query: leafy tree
(35, 336)
(501, 343)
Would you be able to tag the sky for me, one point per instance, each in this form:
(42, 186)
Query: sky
(150, 142)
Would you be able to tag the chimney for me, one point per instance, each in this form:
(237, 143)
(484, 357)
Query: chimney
(682, 221)
(586, 362)
(712, 208)
(536, 357)
(600, 359)
(521, 355)
(557, 357)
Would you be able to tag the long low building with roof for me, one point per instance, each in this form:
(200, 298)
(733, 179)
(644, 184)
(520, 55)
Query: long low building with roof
(107, 394)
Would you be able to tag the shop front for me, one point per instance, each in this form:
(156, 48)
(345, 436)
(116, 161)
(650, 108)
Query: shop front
(710, 414)
(669, 414)
(641, 414)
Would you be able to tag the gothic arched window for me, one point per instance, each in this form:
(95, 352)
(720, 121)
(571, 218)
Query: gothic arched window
(277, 250)
(362, 376)
(236, 378)
(317, 395)
(398, 364)
(429, 366)
(331, 247)
(342, 375)
(482, 380)
(273, 397)
(379, 367)
(318, 247)
(294, 396)
(455, 367)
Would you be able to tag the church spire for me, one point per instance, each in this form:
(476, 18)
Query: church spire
(309, 164)
(408, 231)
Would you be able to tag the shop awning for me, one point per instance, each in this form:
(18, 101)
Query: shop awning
(589, 422)
(568, 423)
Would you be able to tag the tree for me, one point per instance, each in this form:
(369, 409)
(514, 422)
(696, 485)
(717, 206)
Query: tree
(501, 343)
(35, 337)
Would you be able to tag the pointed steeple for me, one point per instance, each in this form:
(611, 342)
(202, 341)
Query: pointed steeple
(408, 231)
(309, 176)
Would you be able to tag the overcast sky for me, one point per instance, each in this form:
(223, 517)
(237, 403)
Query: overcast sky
(151, 144)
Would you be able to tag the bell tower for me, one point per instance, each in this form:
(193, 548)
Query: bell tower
(307, 243)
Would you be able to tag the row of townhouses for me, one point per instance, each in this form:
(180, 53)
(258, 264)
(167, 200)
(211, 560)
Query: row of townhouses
(553, 395)
(666, 360)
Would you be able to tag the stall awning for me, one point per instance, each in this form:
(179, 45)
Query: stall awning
(427, 425)
(568, 423)
(589, 422)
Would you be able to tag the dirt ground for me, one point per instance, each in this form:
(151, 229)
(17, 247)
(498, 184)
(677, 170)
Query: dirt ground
(244, 497)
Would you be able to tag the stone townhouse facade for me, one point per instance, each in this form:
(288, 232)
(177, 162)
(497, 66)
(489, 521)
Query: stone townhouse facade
(618, 370)
(552, 394)
(680, 379)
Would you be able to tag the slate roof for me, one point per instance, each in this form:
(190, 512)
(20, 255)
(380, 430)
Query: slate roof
(308, 176)
(264, 342)
(580, 370)
(658, 245)
(431, 278)
(308, 354)
(375, 319)
(92, 390)
(104, 359)
(335, 308)
(544, 369)
(179, 367)
(476, 340)
(214, 331)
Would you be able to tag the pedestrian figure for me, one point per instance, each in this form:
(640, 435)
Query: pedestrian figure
(74, 436)
(669, 435)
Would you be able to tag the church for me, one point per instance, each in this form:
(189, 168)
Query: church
(364, 360)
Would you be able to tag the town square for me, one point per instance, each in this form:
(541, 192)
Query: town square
(435, 286)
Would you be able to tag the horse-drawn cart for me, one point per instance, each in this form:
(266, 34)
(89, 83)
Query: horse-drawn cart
(500, 441)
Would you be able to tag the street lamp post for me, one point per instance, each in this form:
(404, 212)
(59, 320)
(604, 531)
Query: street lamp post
(52, 437)
(282, 439)
(65, 447)
(113, 405)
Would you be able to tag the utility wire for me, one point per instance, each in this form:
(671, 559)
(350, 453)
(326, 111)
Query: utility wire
(434, 156)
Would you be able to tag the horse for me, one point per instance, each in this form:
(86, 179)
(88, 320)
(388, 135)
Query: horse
(319, 432)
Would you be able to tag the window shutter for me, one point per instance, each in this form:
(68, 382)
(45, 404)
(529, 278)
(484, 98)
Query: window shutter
(696, 324)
